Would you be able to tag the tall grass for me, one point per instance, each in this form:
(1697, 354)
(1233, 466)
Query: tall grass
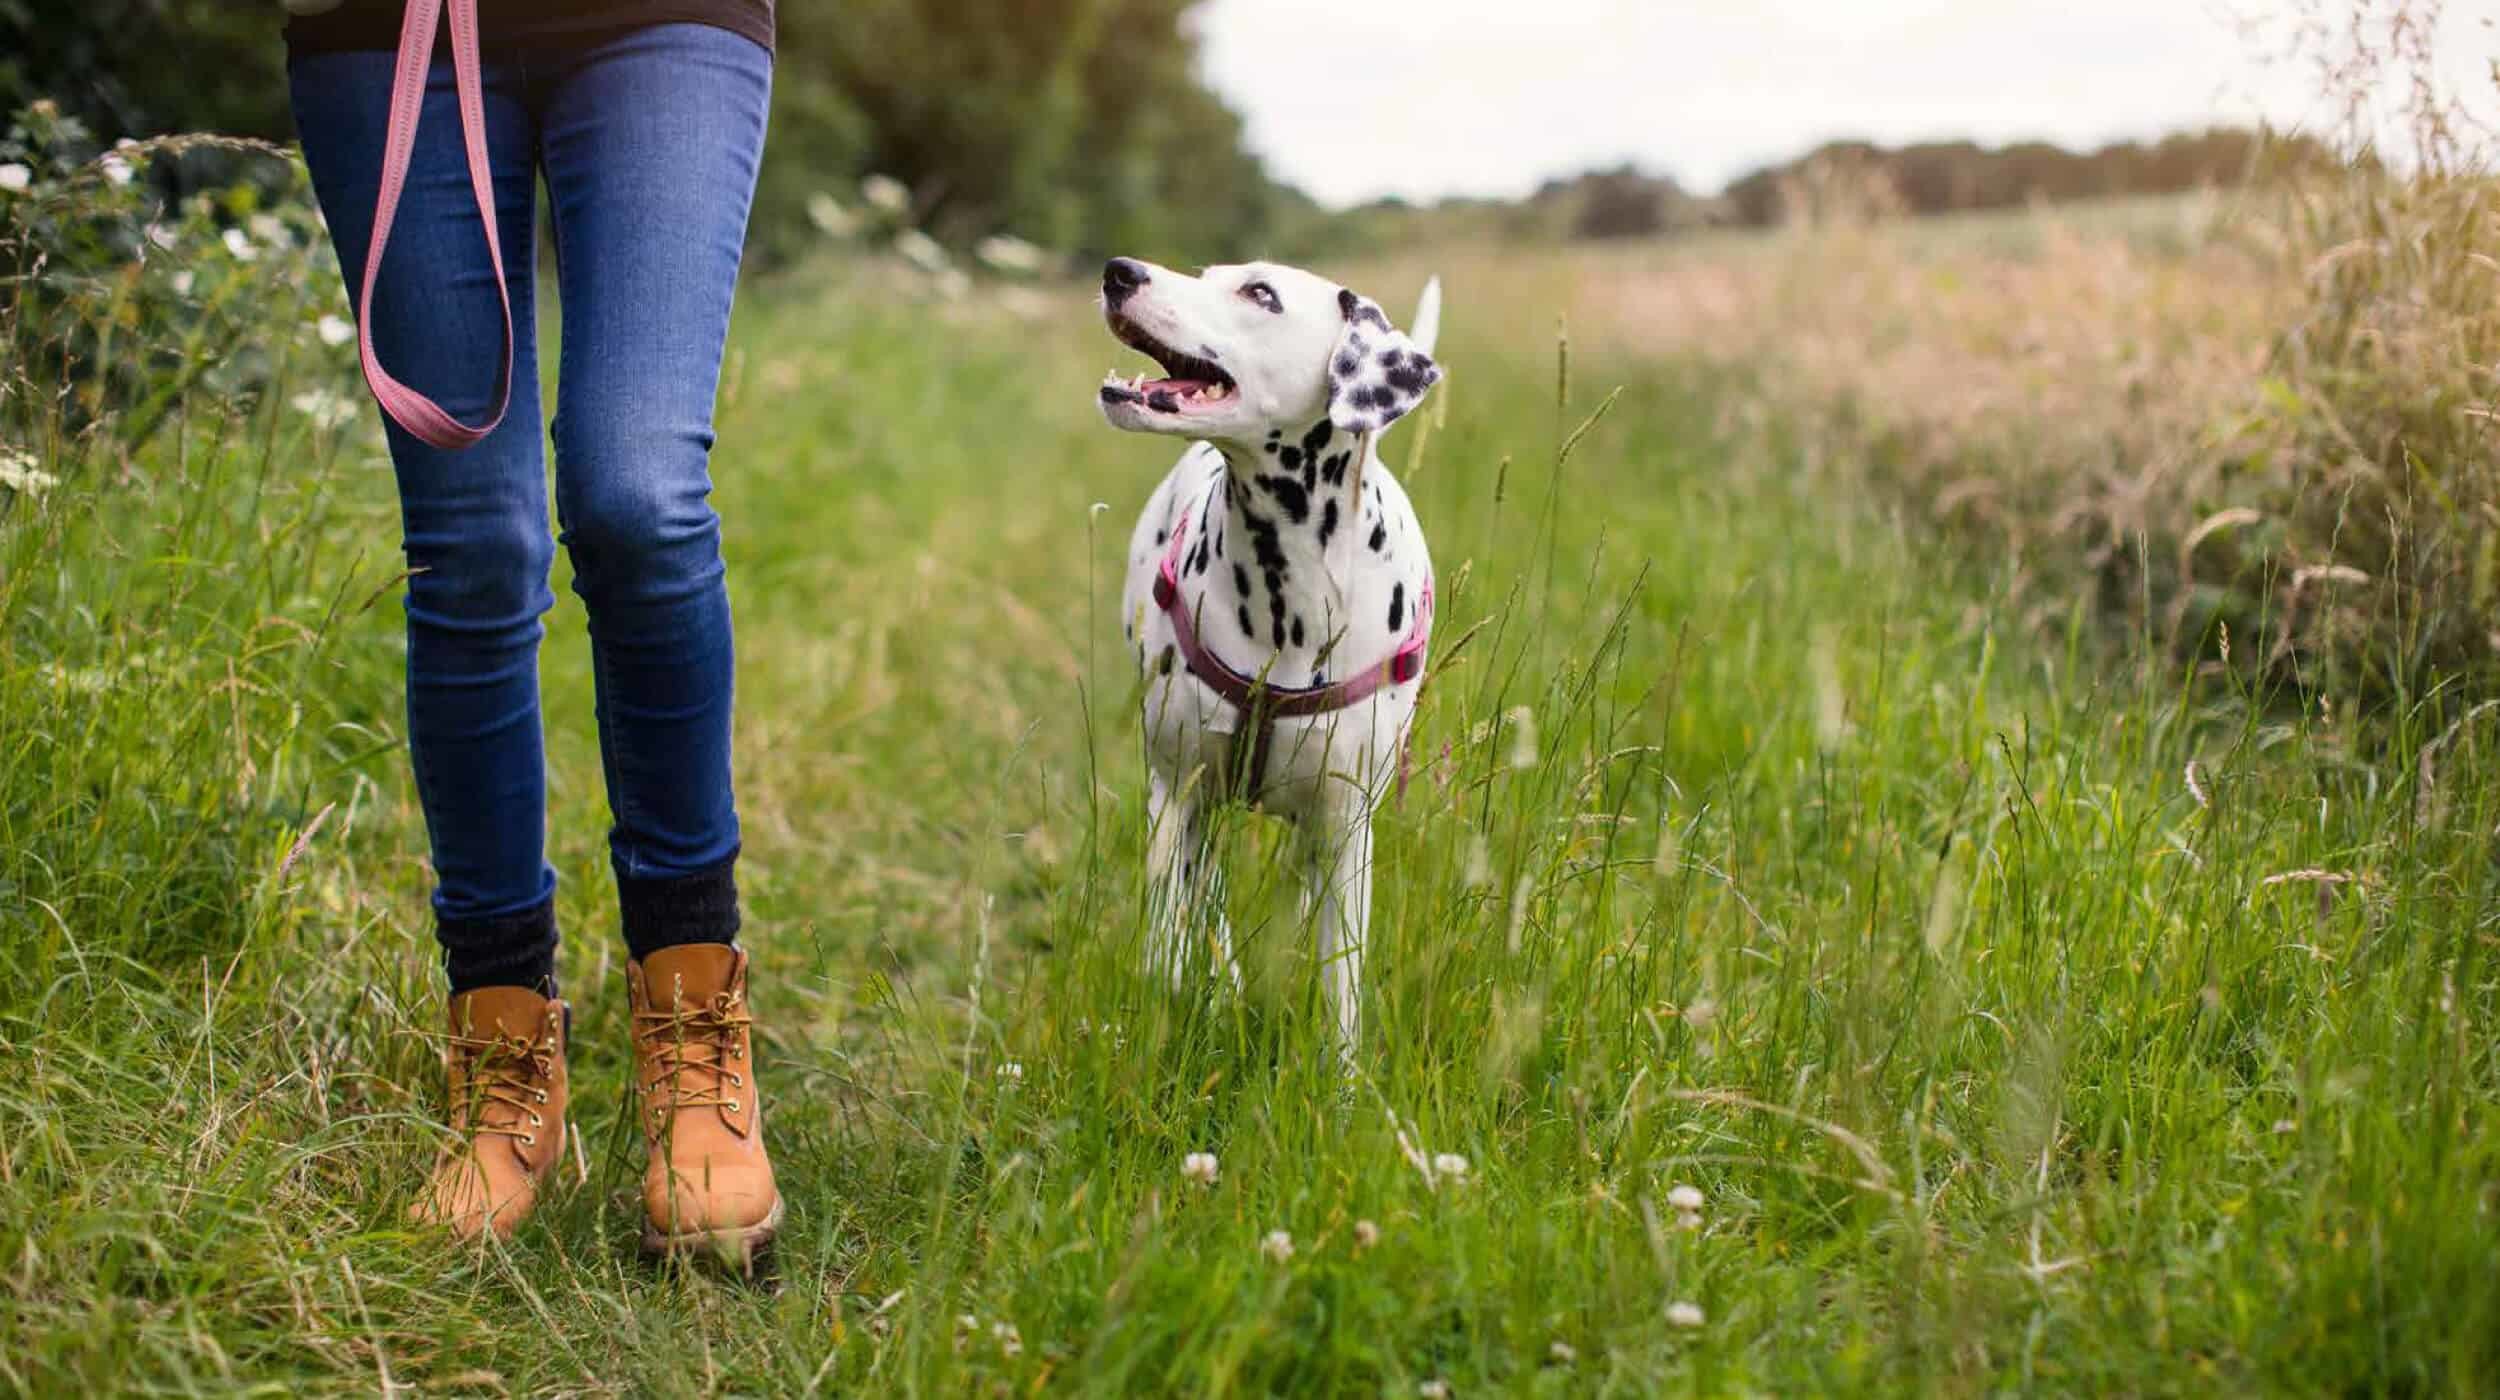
(2269, 409)
(2030, 1010)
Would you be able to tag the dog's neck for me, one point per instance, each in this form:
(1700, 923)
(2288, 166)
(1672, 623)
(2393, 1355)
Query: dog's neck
(1292, 502)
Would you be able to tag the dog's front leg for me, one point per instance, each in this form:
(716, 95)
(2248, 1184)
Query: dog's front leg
(1186, 892)
(1338, 855)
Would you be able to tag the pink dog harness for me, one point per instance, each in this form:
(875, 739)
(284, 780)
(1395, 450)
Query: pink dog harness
(407, 407)
(1260, 703)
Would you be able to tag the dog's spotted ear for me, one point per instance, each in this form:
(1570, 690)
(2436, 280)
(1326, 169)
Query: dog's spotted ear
(1376, 373)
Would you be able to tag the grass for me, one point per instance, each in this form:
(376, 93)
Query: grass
(2031, 1014)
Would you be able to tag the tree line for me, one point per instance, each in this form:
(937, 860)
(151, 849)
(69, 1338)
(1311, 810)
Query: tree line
(1077, 124)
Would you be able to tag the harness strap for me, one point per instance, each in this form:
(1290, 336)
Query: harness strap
(412, 410)
(1260, 703)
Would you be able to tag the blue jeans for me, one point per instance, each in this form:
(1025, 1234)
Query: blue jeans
(648, 142)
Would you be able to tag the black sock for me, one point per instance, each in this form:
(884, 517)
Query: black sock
(510, 950)
(679, 909)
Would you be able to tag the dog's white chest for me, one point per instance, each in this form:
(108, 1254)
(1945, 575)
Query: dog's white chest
(1298, 598)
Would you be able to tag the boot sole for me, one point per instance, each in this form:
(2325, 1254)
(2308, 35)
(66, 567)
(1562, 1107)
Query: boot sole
(738, 1247)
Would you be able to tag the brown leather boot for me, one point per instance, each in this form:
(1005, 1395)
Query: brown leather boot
(709, 1185)
(508, 1092)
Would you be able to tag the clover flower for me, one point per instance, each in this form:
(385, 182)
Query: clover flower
(1199, 1167)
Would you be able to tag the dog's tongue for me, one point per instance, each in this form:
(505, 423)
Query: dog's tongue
(1166, 394)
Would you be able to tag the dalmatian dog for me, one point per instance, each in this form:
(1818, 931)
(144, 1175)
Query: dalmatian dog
(1279, 594)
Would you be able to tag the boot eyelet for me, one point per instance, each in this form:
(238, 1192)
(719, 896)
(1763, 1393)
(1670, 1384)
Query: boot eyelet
(529, 1139)
(542, 1096)
(732, 1105)
(537, 1122)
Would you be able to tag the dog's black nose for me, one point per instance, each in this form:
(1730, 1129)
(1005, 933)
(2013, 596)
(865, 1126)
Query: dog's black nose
(1120, 278)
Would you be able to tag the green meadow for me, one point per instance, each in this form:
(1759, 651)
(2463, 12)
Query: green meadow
(2032, 1005)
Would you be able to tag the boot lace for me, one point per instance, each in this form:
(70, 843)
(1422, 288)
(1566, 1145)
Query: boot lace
(507, 1072)
(695, 1054)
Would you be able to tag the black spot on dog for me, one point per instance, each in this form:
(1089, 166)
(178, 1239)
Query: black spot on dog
(1380, 536)
(1241, 581)
(1347, 363)
(1289, 493)
(1356, 308)
(1328, 520)
(1392, 357)
(1247, 630)
(1165, 665)
(1297, 629)
(1414, 378)
(1317, 437)
(1291, 457)
(1333, 470)
(1397, 607)
(1163, 536)
(1263, 545)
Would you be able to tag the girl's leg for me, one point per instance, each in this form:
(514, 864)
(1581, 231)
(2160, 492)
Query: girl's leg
(651, 142)
(476, 521)
(478, 551)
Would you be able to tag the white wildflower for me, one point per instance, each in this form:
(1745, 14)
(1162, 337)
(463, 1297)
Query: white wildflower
(1012, 1070)
(1008, 253)
(1434, 1389)
(920, 250)
(239, 245)
(1562, 1353)
(1366, 1234)
(1199, 1167)
(334, 330)
(327, 408)
(1278, 1246)
(1685, 1315)
(1451, 1165)
(163, 236)
(181, 283)
(116, 169)
(829, 217)
(1685, 1197)
(886, 193)
(1701, 1013)
(19, 473)
(1522, 737)
(1688, 1220)
(270, 229)
(1479, 867)
(1010, 1341)
(2286, 1125)
(15, 177)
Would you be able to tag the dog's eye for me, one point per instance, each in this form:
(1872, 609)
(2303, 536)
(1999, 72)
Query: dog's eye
(1265, 296)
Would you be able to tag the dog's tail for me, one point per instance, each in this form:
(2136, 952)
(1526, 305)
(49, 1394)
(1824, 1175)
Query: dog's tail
(1426, 327)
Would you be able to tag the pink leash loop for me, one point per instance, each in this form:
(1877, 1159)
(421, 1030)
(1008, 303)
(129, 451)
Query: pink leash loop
(407, 407)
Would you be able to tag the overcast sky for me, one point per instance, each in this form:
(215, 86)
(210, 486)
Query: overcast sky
(1352, 99)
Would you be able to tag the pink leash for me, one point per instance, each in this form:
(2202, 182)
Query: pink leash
(410, 409)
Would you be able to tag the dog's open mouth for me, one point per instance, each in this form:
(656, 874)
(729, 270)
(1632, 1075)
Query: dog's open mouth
(1189, 382)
